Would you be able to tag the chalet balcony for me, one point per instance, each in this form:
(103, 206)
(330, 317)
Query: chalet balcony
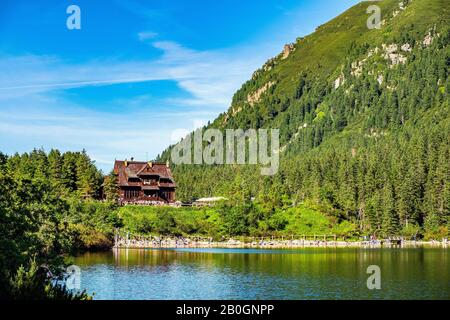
(151, 183)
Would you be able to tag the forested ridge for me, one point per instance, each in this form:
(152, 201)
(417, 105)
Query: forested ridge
(364, 124)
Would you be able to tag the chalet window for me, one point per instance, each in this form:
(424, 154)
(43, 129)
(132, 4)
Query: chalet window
(132, 194)
(152, 194)
(167, 195)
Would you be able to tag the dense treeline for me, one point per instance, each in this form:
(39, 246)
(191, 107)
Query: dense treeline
(374, 150)
(69, 173)
(46, 214)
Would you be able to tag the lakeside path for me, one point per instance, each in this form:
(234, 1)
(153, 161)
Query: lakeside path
(275, 244)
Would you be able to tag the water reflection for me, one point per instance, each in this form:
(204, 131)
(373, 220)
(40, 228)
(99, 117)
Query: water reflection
(312, 273)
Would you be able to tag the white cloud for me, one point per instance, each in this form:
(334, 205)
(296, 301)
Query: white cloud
(147, 35)
(57, 123)
(211, 77)
(33, 113)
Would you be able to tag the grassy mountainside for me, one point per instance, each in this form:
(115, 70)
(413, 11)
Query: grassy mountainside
(364, 123)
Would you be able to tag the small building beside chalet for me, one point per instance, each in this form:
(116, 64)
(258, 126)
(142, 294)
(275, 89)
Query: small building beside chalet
(144, 183)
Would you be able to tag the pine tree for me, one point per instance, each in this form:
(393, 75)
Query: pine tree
(390, 216)
(110, 187)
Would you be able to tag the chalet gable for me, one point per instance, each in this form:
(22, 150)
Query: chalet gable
(147, 170)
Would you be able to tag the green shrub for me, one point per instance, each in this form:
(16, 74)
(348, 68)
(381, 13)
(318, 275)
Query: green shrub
(33, 283)
(346, 229)
(410, 231)
(437, 233)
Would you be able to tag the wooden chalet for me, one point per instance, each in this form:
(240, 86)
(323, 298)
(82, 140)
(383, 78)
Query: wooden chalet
(145, 183)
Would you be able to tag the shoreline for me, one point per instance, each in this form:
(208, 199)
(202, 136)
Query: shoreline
(288, 244)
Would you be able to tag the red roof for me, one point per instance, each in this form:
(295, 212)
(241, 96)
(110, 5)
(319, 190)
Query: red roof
(126, 170)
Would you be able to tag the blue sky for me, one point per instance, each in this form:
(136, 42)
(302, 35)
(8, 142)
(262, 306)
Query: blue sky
(139, 74)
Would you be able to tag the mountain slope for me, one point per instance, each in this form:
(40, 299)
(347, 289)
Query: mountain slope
(363, 117)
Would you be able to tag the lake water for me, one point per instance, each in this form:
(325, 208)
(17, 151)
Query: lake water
(238, 274)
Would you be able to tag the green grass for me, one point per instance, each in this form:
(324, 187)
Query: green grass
(210, 222)
(174, 221)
